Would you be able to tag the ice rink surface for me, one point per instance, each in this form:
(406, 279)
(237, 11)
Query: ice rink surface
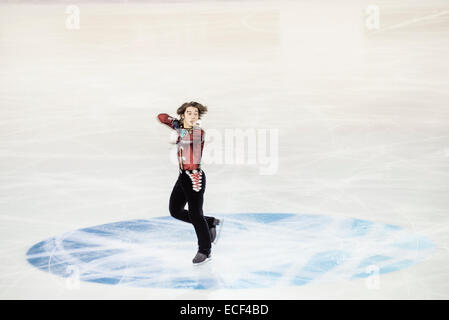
(359, 105)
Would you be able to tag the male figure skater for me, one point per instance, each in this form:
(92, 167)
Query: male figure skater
(191, 183)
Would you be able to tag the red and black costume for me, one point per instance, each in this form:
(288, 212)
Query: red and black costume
(191, 183)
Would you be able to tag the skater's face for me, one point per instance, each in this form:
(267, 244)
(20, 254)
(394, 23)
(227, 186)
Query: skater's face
(190, 117)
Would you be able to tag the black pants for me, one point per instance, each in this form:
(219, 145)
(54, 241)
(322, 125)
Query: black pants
(184, 192)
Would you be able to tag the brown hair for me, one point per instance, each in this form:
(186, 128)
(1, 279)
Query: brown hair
(201, 109)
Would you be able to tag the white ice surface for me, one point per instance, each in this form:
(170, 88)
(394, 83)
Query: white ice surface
(362, 117)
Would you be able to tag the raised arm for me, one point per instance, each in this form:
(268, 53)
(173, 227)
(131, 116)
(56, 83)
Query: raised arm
(168, 120)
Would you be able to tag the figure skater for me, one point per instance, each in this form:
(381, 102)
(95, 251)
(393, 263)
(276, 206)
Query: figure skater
(191, 183)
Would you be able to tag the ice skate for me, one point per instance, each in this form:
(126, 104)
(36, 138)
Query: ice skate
(215, 230)
(201, 258)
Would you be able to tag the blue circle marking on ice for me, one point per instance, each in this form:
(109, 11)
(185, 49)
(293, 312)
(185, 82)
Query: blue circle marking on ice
(255, 250)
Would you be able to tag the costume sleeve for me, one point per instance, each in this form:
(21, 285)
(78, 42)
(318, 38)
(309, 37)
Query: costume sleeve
(168, 120)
